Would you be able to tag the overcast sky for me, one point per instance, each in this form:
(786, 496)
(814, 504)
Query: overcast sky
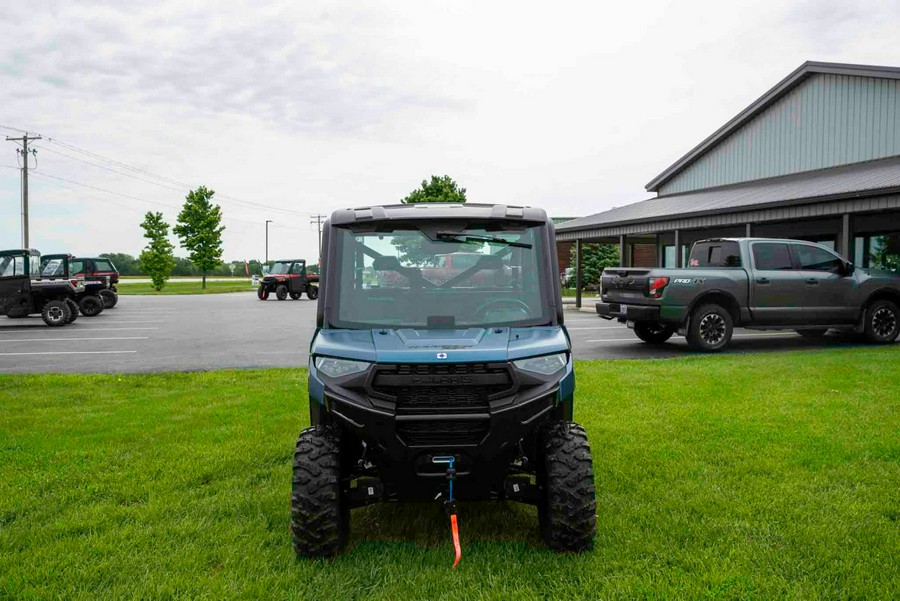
(311, 106)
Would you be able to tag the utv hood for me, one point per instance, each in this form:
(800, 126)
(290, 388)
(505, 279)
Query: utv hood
(385, 345)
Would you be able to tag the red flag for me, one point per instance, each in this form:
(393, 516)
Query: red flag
(246, 268)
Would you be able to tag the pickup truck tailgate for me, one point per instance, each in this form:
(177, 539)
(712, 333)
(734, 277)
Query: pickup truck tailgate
(623, 285)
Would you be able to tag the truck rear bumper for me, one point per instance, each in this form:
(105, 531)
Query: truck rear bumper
(627, 312)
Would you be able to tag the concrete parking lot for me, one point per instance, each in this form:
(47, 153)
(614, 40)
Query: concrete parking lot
(187, 333)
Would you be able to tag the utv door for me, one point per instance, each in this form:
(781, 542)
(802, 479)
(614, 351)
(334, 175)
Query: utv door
(15, 286)
(776, 288)
(830, 296)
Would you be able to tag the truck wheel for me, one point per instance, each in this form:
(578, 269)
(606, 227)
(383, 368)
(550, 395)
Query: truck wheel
(711, 328)
(296, 295)
(652, 333)
(882, 322)
(110, 298)
(281, 292)
(262, 293)
(320, 513)
(73, 310)
(56, 313)
(817, 334)
(567, 510)
(312, 292)
(90, 305)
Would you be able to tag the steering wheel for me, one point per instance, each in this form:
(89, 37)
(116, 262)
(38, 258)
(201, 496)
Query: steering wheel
(514, 304)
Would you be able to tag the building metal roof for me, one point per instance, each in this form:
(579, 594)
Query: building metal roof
(762, 103)
(857, 180)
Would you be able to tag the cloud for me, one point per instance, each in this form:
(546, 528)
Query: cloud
(311, 106)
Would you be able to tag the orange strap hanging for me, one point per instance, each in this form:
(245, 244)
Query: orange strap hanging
(454, 528)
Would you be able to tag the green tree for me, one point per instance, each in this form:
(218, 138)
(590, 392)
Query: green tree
(597, 257)
(439, 189)
(200, 230)
(156, 260)
(125, 263)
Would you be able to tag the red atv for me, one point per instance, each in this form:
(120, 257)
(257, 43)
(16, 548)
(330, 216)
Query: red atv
(289, 277)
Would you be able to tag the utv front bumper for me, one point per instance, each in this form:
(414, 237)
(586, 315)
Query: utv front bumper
(481, 413)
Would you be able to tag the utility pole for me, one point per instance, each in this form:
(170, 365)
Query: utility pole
(318, 219)
(23, 152)
(268, 221)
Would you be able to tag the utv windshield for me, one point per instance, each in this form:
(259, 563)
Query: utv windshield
(280, 268)
(468, 277)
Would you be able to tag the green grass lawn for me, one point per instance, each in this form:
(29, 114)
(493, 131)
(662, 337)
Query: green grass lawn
(740, 476)
(178, 287)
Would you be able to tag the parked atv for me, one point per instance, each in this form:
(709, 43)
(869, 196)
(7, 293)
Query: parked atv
(433, 386)
(23, 292)
(90, 302)
(288, 277)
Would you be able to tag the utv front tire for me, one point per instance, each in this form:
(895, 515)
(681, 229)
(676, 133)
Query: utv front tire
(56, 313)
(320, 515)
(90, 305)
(312, 292)
(652, 333)
(262, 293)
(567, 510)
(296, 295)
(281, 292)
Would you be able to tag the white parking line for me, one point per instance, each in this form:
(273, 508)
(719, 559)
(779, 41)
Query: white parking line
(81, 329)
(618, 327)
(117, 322)
(74, 339)
(634, 338)
(68, 353)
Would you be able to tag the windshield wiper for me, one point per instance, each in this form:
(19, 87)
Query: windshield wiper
(457, 237)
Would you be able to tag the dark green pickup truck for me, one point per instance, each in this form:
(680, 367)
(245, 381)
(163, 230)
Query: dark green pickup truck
(756, 283)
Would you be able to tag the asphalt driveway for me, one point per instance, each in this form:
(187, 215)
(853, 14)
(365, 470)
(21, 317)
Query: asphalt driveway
(216, 331)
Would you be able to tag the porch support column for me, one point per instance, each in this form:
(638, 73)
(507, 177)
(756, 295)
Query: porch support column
(678, 262)
(846, 234)
(579, 271)
(623, 252)
(748, 232)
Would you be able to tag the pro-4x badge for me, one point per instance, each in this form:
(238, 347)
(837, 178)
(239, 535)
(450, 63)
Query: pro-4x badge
(442, 355)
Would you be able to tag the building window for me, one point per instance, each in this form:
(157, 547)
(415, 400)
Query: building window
(669, 256)
(880, 252)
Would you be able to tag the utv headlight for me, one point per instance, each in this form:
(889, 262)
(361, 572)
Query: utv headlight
(546, 365)
(336, 368)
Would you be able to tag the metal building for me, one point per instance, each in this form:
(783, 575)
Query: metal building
(817, 158)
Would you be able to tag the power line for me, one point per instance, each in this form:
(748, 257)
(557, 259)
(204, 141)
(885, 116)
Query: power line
(43, 175)
(161, 178)
(120, 164)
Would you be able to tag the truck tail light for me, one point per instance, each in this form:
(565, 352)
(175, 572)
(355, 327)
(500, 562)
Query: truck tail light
(657, 285)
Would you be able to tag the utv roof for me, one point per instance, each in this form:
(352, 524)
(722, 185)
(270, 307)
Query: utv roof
(20, 251)
(289, 261)
(438, 210)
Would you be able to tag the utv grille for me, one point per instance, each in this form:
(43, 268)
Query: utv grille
(440, 433)
(449, 388)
